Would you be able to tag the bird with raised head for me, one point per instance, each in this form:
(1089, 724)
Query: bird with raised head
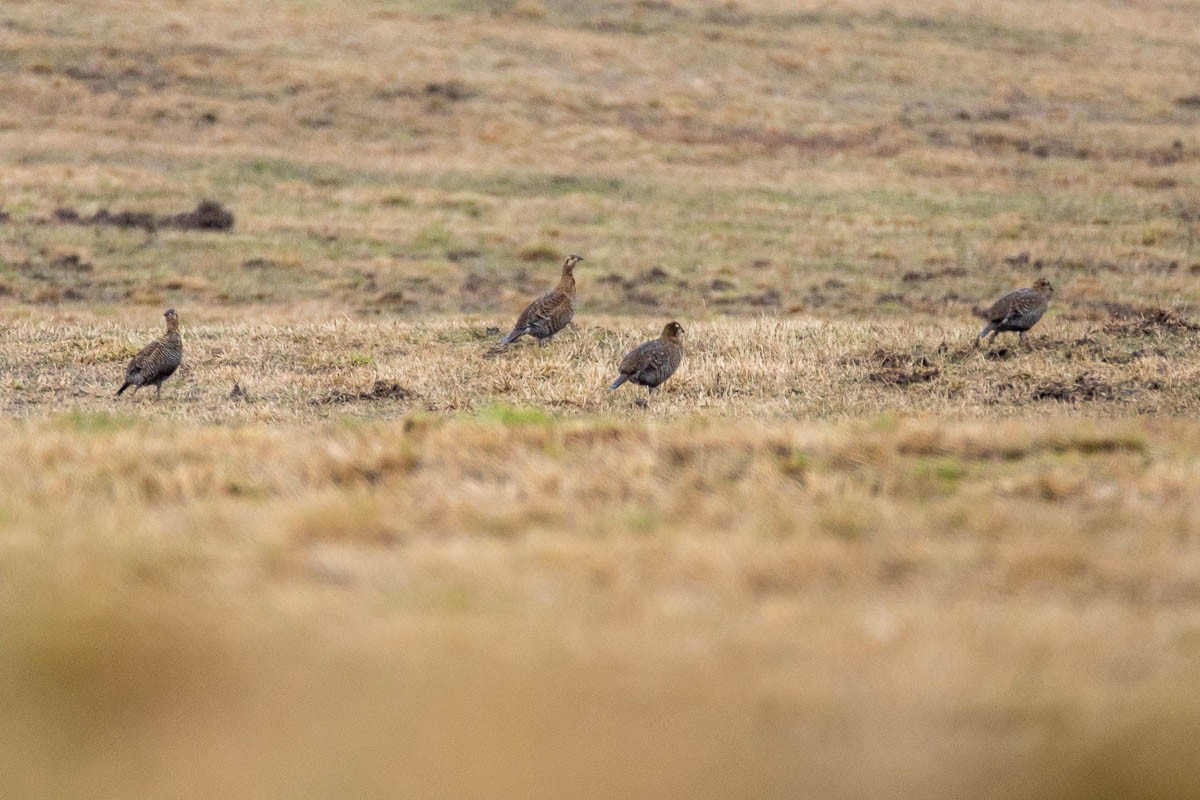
(1017, 311)
(156, 361)
(551, 312)
(651, 363)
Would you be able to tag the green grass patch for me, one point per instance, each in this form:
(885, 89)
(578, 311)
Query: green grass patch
(530, 185)
(434, 239)
(95, 421)
(505, 414)
(267, 172)
(640, 519)
(939, 474)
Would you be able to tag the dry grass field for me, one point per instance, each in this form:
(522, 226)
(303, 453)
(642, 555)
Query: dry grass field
(355, 551)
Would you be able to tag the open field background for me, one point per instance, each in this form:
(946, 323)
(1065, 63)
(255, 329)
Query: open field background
(841, 554)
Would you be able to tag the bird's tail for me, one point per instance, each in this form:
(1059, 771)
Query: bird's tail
(986, 330)
(124, 386)
(513, 335)
(618, 382)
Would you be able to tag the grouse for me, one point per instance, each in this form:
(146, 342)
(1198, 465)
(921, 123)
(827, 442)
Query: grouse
(158, 360)
(651, 363)
(1017, 311)
(551, 312)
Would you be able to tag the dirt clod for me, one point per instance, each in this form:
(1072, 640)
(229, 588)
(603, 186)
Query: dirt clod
(901, 369)
(387, 390)
(450, 90)
(1084, 387)
(1134, 320)
(913, 276)
(207, 216)
(380, 390)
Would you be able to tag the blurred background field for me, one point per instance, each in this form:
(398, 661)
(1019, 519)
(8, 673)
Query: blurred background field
(842, 553)
(850, 159)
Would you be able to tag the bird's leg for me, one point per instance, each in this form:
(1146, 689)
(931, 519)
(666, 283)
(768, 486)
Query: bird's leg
(157, 392)
(1024, 342)
(542, 342)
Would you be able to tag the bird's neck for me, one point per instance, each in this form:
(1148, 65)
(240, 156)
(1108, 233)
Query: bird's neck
(566, 284)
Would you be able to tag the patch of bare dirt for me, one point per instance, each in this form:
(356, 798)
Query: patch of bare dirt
(901, 369)
(402, 295)
(380, 390)
(478, 291)
(538, 252)
(914, 276)
(451, 90)
(59, 277)
(1165, 156)
(1042, 147)
(645, 288)
(766, 298)
(209, 215)
(1001, 353)
(70, 262)
(656, 286)
(434, 91)
(394, 300)
(1084, 387)
(1128, 320)
(636, 298)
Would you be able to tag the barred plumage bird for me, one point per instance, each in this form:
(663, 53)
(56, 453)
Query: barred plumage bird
(651, 363)
(551, 312)
(1017, 311)
(158, 360)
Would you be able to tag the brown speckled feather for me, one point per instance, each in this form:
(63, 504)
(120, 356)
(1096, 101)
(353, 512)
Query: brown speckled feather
(551, 312)
(651, 363)
(158, 360)
(1017, 311)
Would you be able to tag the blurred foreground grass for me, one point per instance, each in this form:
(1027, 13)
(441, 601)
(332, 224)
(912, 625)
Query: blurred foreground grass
(513, 606)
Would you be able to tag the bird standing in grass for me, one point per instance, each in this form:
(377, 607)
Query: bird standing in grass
(1017, 311)
(158, 360)
(551, 312)
(651, 363)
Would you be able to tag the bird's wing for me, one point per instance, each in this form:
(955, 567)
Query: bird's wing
(653, 356)
(150, 360)
(1021, 303)
(665, 358)
(1003, 309)
(636, 359)
(550, 311)
(145, 356)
